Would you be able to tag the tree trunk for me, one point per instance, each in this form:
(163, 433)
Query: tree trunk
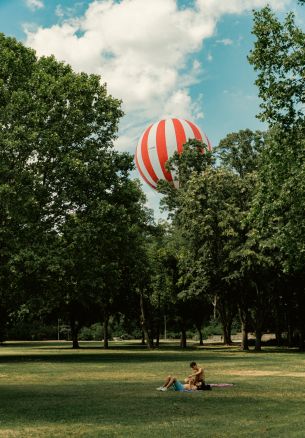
(258, 329)
(106, 334)
(278, 337)
(143, 338)
(244, 330)
(74, 333)
(290, 335)
(244, 341)
(183, 342)
(200, 337)
(226, 318)
(157, 335)
(302, 339)
(301, 311)
(149, 341)
(258, 339)
(227, 333)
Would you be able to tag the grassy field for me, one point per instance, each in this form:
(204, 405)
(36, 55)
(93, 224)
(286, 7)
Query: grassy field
(49, 390)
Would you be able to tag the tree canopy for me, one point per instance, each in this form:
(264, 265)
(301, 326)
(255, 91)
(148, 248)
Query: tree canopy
(78, 243)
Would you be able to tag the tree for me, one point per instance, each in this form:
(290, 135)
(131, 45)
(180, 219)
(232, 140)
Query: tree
(277, 212)
(240, 153)
(64, 189)
(211, 215)
(194, 159)
(279, 58)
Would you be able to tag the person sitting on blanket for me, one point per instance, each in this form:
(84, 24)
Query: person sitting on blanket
(193, 382)
(197, 377)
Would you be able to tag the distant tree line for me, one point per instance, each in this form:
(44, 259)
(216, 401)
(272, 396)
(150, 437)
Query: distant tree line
(78, 244)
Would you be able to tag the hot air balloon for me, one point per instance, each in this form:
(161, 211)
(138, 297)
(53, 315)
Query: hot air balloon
(159, 142)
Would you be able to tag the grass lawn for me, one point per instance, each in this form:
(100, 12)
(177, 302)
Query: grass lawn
(49, 390)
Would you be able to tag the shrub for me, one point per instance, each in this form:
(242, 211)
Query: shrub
(93, 333)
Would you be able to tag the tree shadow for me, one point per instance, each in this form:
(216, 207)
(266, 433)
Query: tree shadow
(132, 404)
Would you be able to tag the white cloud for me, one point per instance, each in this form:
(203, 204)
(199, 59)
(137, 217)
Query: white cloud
(139, 47)
(142, 49)
(34, 4)
(217, 8)
(59, 12)
(225, 41)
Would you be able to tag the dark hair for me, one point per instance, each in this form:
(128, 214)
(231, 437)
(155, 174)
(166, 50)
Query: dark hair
(192, 364)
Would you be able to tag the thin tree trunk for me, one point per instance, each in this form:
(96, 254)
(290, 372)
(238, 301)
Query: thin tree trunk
(149, 341)
(258, 330)
(183, 342)
(200, 337)
(226, 318)
(74, 333)
(106, 333)
(244, 340)
(143, 337)
(158, 335)
(290, 335)
(301, 324)
(244, 330)
(302, 339)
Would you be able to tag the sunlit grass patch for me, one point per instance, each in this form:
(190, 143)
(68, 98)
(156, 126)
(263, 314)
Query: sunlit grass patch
(48, 390)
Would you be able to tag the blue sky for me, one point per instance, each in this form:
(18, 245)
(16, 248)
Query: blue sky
(162, 57)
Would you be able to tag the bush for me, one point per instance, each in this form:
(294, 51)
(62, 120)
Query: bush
(85, 334)
(31, 331)
(214, 328)
(93, 333)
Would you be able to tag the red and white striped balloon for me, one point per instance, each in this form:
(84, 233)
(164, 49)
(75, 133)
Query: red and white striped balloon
(159, 142)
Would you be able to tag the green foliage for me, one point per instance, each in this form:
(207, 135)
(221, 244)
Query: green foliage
(240, 151)
(69, 212)
(214, 328)
(279, 58)
(194, 158)
(77, 242)
(277, 213)
(92, 333)
(31, 331)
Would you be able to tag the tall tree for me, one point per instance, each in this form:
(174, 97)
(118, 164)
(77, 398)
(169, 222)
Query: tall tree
(211, 215)
(278, 211)
(194, 159)
(279, 56)
(67, 204)
(240, 153)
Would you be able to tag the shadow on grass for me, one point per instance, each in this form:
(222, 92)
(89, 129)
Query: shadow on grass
(118, 357)
(130, 404)
(131, 352)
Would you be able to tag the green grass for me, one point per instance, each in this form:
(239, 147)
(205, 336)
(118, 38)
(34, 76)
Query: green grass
(49, 390)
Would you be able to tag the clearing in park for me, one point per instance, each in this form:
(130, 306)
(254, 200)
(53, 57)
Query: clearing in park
(49, 390)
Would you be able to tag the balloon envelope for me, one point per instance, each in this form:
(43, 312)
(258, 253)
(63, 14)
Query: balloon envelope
(159, 142)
